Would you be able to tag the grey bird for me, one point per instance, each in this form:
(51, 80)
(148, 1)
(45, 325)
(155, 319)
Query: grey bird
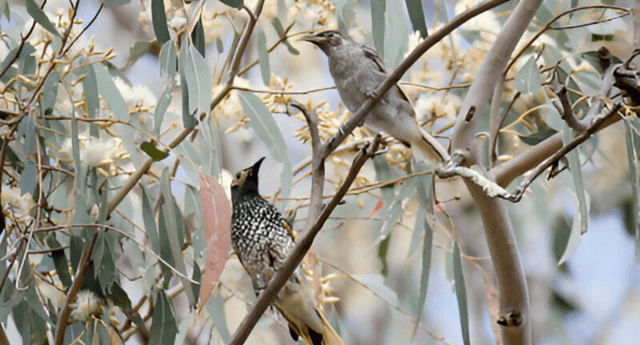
(357, 71)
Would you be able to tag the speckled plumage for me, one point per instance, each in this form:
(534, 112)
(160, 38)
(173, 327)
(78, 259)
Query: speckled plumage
(263, 240)
(259, 237)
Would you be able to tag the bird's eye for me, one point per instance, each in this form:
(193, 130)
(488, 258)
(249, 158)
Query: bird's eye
(328, 34)
(238, 175)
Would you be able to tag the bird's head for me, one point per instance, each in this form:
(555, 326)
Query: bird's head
(246, 181)
(326, 40)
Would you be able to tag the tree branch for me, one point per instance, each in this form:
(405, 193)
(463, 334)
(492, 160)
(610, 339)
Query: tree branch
(512, 286)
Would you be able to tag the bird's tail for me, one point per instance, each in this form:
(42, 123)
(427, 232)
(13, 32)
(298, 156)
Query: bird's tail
(429, 149)
(296, 304)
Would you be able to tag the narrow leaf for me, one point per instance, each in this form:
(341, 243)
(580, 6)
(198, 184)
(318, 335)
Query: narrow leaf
(416, 14)
(40, 17)
(110, 93)
(543, 133)
(159, 20)
(161, 108)
(50, 92)
(424, 275)
(576, 173)
(461, 294)
(215, 308)
(138, 50)
(197, 37)
(378, 25)
(396, 35)
(92, 99)
(528, 79)
(60, 261)
(280, 30)
(171, 219)
(216, 215)
(168, 59)
(267, 130)
(233, 3)
(263, 57)
(163, 323)
(632, 156)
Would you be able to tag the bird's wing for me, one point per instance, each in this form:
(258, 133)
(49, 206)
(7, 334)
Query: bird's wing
(373, 56)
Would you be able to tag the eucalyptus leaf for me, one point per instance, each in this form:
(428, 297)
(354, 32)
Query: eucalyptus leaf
(396, 35)
(159, 20)
(138, 50)
(267, 130)
(163, 323)
(197, 37)
(233, 3)
(168, 58)
(378, 7)
(632, 156)
(416, 14)
(461, 294)
(576, 173)
(215, 308)
(528, 79)
(40, 17)
(280, 30)
(426, 268)
(110, 93)
(263, 56)
(161, 108)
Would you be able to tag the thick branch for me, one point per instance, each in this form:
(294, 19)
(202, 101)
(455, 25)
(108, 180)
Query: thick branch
(513, 293)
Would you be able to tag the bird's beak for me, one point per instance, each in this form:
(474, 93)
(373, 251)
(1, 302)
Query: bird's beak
(256, 167)
(313, 39)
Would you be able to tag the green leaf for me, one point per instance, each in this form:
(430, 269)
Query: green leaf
(461, 294)
(215, 308)
(168, 59)
(174, 224)
(416, 235)
(391, 219)
(76, 248)
(632, 155)
(416, 14)
(280, 30)
(576, 173)
(383, 173)
(263, 57)
(104, 261)
(159, 20)
(163, 323)
(60, 261)
(346, 14)
(40, 17)
(378, 25)
(196, 73)
(29, 179)
(593, 59)
(197, 37)
(267, 130)
(50, 92)
(543, 133)
(183, 329)
(233, 3)
(150, 149)
(161, 108)
(138, 50)
(110, 93)
(382, 255)
(396, 35)
(424, 275)
(119, 297)
(528, 79)
(92, 99)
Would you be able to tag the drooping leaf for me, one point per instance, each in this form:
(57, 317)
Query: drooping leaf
(76, 248)
(40, 17)
(197, 37)
(50, 92)
(280, 30)
(593, 59)
(543, 133)
(91, 96)
(383, 248)
(163, 323)
(159, 20)
(29, 179)
(161, 108)
(150, 149)
(426, 268)
(119, 297)
(110, 93)
(461, 294)
(396, 35)
(215, 308)
(418, 228)
(233, 3)
(267, 130)
(576, 173)
(183, 330)
(263, 56)
(528, 79)
(168, 59)
(216, 215)
(138, 50)
(416, 14)
(378, 8)
(60, 261)
(116, 2)
(174, 224)
(195, 71)
(632, 155)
